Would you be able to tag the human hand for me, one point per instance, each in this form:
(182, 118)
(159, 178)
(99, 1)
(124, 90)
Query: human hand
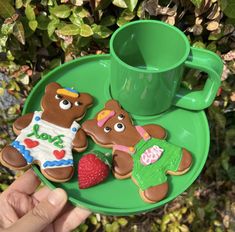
(22, 208)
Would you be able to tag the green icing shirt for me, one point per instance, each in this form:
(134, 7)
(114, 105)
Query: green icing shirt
(151, 173)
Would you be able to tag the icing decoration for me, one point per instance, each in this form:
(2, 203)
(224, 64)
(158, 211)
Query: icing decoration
(129, 150)
(142, 132)
(37, 118)
(59, 154)
(74, 129)
(21, 148)
(104, 116)
(151, 155)
(56, 163)
(31, 143)
(56, 140)
(68, 92)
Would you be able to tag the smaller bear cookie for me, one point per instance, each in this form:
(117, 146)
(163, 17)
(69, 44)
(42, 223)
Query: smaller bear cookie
(139, 152)
(47, 137)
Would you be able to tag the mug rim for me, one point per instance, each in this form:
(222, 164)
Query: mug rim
(177, 64)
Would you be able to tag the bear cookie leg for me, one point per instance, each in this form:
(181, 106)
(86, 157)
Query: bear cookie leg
(122, 165)
(155, 193)
(12, 158)
(185, 162)
(58, 174)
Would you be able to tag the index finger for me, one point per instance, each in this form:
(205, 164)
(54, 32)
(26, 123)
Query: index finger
(27, 183)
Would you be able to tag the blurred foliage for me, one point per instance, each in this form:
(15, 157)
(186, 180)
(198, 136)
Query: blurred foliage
(36, 36)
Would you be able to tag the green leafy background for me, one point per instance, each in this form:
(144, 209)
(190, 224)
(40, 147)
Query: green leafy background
(37, 36)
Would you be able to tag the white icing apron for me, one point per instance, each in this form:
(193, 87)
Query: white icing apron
(47, 143)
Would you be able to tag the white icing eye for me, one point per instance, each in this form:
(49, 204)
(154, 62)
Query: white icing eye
(77, 103)
(57, 96)
(107, 129)
(121, 117)
(119, 127)
(65, 104)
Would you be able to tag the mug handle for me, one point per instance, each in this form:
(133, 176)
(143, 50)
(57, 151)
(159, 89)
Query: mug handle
(210, 63)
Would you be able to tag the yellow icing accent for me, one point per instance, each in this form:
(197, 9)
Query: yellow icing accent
(131, 149)
(146, 135)
(103, 114)
(67, 93)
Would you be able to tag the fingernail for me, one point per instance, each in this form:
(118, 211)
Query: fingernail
(57, 196)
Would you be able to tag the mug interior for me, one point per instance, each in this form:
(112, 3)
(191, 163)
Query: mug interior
(150, 45)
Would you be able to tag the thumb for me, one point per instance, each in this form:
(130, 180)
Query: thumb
(42, 214)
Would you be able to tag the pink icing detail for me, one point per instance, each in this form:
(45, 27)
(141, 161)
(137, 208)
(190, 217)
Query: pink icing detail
(129, 150)
(143, 133)
(151, 155)
(101, 122)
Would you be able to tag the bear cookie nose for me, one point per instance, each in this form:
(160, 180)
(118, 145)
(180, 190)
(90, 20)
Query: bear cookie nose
(119, 127)
(65, 104)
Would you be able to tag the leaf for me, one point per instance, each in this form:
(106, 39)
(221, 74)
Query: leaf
(33, 25)
(6, 9)
(86, 30)
(101, 32)
(75, 20)
(197, 3)
(108, 20)
(61, 11)
(131, 4)
(120, 3)
(43, 22)
(122, 221)
(231, 173)
(52, 26)
(81, 12)
(18, 4)
(102, 4)
(228, 7)
(199, 44)
(7, 29)
(18, 32)
(29, 12)
(125, 17)
(69, 29)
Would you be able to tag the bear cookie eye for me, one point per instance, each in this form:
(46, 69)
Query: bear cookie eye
(119, 127)
(107, 129)
(57, 96)
(77, 103)
(65, 104)
(120, 117)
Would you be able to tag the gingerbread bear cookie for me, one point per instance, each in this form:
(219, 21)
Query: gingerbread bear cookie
(47, 137)
(139, 152)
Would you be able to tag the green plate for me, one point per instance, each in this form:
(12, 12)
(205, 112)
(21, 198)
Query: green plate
(188, 129)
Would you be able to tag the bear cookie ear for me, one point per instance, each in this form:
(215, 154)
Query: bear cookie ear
(112, 105)
(52, 87)
(86, 99)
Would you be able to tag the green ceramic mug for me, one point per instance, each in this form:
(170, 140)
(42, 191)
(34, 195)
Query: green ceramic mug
(148, 59)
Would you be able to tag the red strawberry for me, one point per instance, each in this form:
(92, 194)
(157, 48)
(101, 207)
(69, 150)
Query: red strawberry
(93, 168)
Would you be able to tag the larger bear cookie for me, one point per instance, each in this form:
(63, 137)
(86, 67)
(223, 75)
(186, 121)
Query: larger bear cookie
(47, 137)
